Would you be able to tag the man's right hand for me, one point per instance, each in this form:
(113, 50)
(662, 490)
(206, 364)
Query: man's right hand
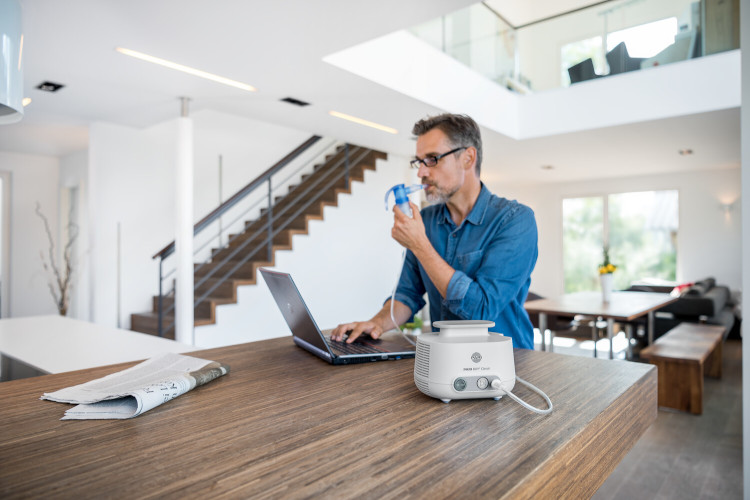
(355, 330)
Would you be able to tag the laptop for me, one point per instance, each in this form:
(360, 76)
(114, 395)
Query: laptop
(308, 336)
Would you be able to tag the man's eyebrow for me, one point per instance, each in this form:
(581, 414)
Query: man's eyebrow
(425, 156)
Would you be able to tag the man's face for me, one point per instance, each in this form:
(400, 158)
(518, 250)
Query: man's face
(445, 178)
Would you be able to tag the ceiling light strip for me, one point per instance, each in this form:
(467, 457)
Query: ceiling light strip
(361, 121)
(186, 69)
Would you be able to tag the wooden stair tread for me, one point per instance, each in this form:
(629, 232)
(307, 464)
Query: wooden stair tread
(169, 318)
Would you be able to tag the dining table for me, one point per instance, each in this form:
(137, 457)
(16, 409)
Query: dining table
(622, 306)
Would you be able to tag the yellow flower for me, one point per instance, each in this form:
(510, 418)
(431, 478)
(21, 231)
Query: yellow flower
(609, 268)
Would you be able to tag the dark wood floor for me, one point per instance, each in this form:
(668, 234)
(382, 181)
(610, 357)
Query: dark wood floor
(689, 456)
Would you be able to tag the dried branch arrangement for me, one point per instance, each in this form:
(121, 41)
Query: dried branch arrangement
(60, 283)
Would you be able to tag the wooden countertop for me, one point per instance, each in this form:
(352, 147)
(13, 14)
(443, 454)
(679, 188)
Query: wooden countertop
(284, 424)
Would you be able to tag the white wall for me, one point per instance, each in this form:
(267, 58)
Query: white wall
(247, 148)
(130, 184)
(33, 179)
(345, 267)
(709, 244)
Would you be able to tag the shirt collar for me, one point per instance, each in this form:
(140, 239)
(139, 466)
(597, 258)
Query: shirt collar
(476, 216)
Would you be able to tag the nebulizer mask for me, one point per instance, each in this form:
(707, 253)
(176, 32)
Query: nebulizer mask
(401, 192)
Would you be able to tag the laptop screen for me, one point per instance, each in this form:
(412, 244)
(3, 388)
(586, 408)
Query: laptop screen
(293, 308)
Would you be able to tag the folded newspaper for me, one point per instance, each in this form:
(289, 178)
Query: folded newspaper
(128, 393)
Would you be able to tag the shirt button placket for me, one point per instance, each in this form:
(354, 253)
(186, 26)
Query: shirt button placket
(452, 247)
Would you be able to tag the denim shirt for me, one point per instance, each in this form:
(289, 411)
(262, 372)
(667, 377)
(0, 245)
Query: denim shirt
(493, 252)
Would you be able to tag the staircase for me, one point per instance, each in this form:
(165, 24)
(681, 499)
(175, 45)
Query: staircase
(236, 264)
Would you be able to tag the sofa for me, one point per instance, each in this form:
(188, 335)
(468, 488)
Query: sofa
(700, 302)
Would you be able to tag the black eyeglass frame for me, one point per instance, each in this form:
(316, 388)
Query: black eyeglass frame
(431, 161)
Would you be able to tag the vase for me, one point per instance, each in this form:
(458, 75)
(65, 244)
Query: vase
(606, 282)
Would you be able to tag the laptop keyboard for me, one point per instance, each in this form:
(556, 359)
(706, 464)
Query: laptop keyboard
(353, 348)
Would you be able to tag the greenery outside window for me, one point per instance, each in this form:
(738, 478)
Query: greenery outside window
(640, 229)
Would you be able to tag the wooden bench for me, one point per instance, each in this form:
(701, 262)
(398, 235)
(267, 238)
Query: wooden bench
(683, 355)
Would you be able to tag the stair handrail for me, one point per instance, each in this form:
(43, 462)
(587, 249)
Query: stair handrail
(241, 194)
(300, 209)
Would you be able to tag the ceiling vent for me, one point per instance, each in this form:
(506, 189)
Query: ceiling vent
(50, 86)
(296, 102)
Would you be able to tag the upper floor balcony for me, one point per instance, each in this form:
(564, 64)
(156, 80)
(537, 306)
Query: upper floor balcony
(616, 62)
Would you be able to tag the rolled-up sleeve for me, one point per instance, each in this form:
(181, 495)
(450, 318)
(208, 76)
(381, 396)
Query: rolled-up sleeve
(506, 264)
(410, 290)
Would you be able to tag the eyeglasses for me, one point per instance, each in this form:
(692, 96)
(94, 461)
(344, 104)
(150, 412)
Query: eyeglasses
(431, 161)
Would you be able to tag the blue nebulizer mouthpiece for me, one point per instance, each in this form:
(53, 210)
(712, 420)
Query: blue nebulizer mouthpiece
(401, 193)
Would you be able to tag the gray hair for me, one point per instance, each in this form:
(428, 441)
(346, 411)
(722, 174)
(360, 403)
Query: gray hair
(461, 130)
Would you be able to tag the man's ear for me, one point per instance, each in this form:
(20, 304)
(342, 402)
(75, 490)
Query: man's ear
(470, 158)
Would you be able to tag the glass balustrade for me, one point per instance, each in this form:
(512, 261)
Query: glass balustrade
(605, 39)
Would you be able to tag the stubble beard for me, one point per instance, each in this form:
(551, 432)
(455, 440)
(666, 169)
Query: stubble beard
(439, 195)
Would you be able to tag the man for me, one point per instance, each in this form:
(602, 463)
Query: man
(471, 252)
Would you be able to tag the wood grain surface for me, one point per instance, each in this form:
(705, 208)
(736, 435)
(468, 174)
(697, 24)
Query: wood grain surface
(691, 342)
(682, 356)
(284, 424)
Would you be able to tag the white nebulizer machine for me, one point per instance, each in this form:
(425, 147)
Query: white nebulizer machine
(466, 361)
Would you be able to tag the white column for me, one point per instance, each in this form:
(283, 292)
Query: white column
(184, 321)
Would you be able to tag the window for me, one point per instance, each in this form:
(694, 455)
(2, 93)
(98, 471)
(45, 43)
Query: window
(639, 228)
(573, 53)
(583, 240)
(645, 40)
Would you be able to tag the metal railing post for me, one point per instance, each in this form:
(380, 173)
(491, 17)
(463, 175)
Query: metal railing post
(346, 165)
(269, 236)
(160, 326)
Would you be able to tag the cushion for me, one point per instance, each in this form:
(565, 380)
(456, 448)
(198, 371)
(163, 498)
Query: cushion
(693, 303)
(707, 283)
(681, 288)
(696, 290)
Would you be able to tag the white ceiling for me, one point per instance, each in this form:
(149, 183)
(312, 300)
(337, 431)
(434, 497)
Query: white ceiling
(278, 47)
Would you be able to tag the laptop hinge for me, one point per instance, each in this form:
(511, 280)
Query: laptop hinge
(308, 346)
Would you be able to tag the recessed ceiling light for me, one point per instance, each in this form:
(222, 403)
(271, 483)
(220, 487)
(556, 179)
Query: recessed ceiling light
(185, 69)
(50, 86)
(364, 122)
(26, 101)
(296, 102)
(685, 152)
